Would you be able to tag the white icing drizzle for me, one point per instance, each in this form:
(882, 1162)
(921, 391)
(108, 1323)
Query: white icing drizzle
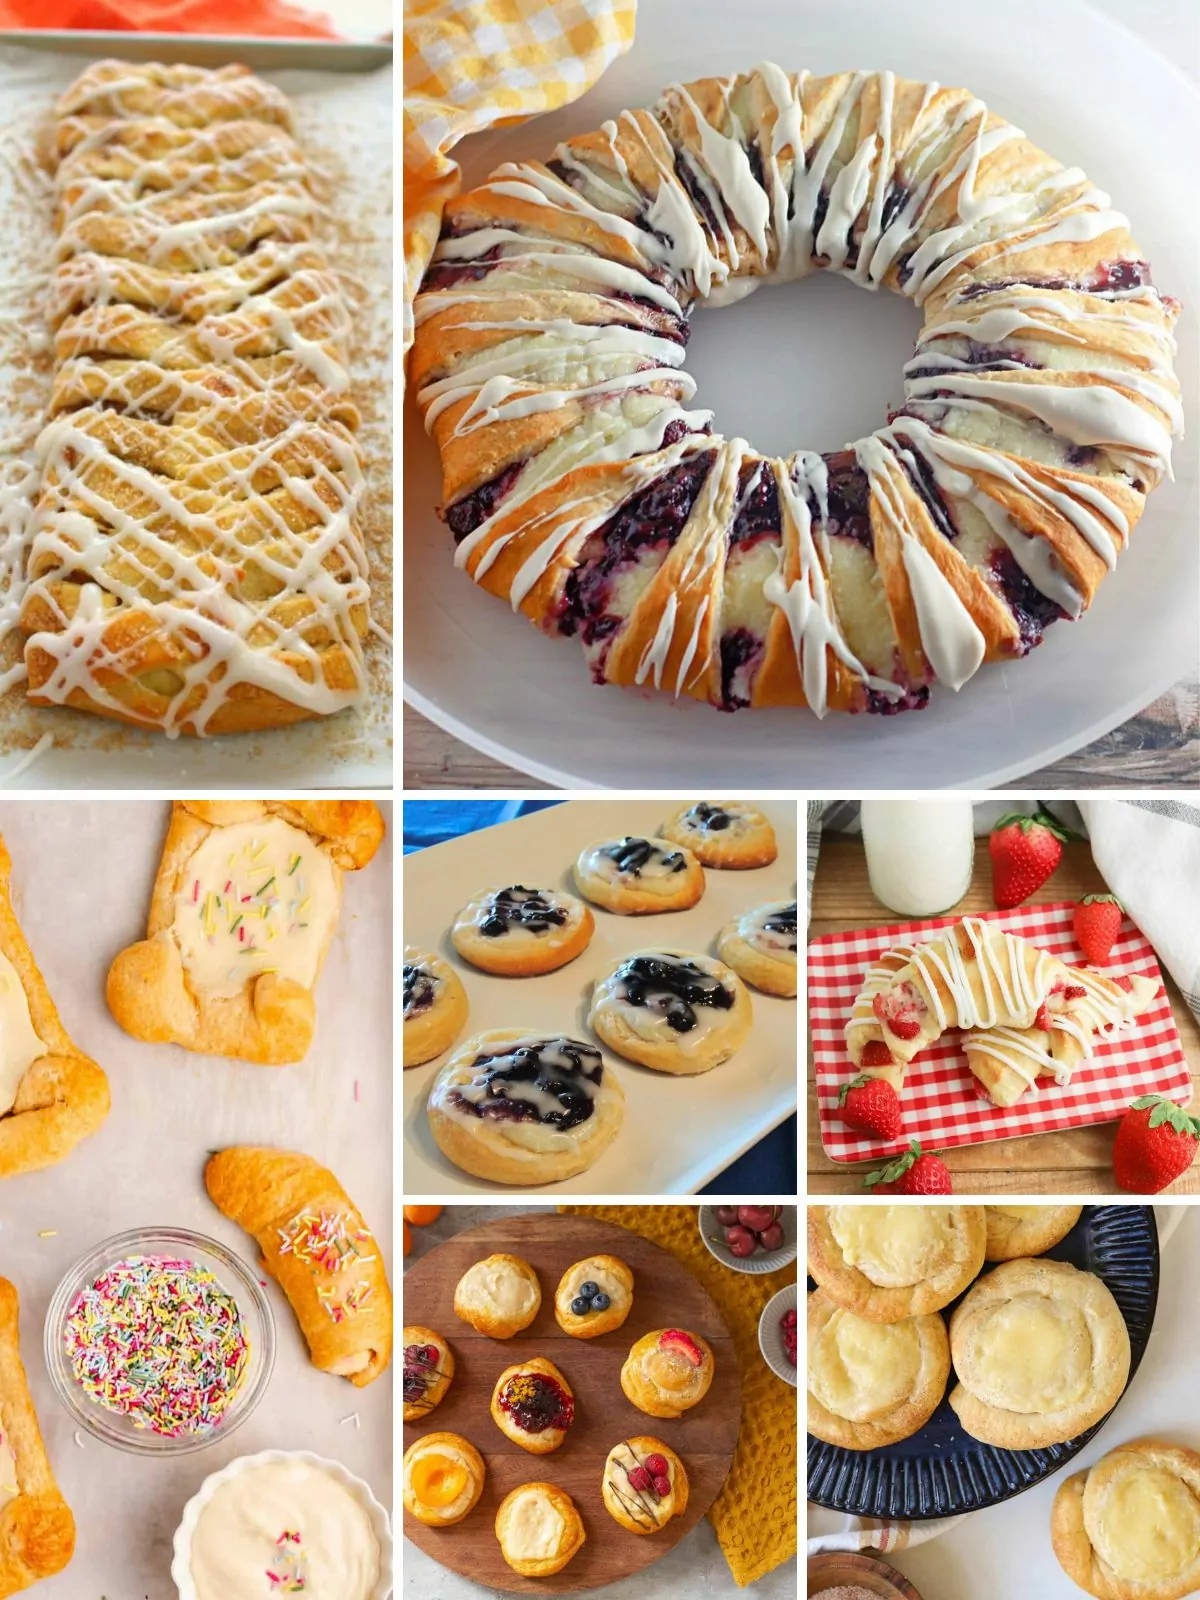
(1008, 989)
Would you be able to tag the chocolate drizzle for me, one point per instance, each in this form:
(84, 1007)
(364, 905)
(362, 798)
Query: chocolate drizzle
(518, 907)
(420, 988)
(673, 986)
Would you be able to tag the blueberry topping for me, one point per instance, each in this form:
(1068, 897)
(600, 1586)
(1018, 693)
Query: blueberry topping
(419, 988)
(739, 648)
(1032, 611)
(887, 705)
(849, 498)
(757, 513)
(783, 922)
(711, 818)
(600, 1301)
(631, 855)
(466, 514)
(565, 1071)
(518, 907)
(580, 1307)
(673, 986)
(589, 1290)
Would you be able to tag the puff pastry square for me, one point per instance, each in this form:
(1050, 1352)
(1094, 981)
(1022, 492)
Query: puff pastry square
(194, 561)
(245, 903)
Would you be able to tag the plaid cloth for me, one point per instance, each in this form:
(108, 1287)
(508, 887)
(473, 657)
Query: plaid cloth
(474, 64)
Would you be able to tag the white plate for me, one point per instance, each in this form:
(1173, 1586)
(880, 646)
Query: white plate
(678, 1133)
(817, 363)
(770, 1334)
(762, 1260)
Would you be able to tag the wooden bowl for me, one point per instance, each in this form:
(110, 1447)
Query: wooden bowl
(868, 1572)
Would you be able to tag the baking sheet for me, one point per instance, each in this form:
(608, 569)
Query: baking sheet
(678, 1132)
(82, 874)
(344, 123)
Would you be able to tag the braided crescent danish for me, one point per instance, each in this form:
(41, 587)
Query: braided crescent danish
(1038, 413)
(193, 560)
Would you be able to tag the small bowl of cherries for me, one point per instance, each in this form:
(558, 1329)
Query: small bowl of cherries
(750, 1238)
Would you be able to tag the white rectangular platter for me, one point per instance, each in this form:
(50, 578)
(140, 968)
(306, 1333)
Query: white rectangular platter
(679, 1132)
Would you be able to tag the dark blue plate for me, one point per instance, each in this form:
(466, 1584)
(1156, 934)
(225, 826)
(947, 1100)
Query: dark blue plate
(941, 1471)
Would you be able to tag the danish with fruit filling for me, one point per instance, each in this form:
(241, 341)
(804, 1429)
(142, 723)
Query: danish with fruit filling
(667, 1372)
(760, 946)
(533, 1405)
(435, 1006)
(593, 1297)
(674, 1011)
(428, 1369)
(730, 834)
(644, 1484)
(443, 1478)
(639, 877)
(518, 932)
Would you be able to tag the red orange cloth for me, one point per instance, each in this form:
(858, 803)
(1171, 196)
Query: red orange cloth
(274, 18)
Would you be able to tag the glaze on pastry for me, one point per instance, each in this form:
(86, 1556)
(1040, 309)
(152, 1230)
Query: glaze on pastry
(723, 833)
(428, 1370)
(533, 1405)
(639, 877)
(519, 932)
(516, 1106)
(644, 1485)
(539, 1529)
(872, 1383)
(594, 1296)
(667, 1372)
(675, 1011)
(499, 1296)
(760, 946)
(1017, 1231)
(435, 1006)
(444, 1476)
(887, 1263)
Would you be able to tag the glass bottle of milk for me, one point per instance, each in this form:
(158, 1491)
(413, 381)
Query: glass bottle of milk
(920, 853)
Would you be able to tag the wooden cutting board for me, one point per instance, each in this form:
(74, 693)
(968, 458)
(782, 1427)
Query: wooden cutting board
(665, 1295)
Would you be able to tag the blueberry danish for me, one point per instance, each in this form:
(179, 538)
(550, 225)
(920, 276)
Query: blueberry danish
(435, 1006)
(670, 1010)
(516, 1106)
(518, 932)
(761, 947)
(638, 877)
(723, 833)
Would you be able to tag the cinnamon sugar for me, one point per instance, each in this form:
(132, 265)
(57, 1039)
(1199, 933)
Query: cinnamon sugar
(848, 1591)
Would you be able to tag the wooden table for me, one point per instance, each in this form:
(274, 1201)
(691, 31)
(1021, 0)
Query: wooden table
(1075, 1162)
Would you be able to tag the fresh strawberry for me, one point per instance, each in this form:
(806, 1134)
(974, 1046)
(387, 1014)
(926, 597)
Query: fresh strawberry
(1124, 983)
(911, 1173)
(1024, 851)
(1156, 1141)
(1042, 1020)
(875, 1053)
(897, 1009)
(1097, 924)
(682, 1344)
(872, 1106)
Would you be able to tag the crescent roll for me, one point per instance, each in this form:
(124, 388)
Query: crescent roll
(244, 906)
(319, 1250)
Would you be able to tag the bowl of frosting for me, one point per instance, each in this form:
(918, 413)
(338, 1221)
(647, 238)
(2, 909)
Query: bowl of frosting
(283, 1522)
(160, 1341)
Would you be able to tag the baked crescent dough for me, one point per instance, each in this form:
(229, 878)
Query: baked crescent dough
(517, 932)
(539, 1529)
(319, 1250)
(668, 1372)
(533, 1405)
(428, 1371)
(887, 1263)
(674, 1010)
(760, 946)
(872, 1383)
(1017, 1231)
(633, 1488)
(444, 1476)
(498, 1296)
(51, 1094)
(606, 1275)
(435, 1006)
(245, 903)
(639, 877)
(723, 833)
(1041, 1351)
(1128, 1528)
(37, 1530)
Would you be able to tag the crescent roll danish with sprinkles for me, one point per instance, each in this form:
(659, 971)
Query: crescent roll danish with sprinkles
(319, 1250)
(244, 907)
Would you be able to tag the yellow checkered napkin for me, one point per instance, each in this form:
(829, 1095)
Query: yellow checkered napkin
(472, 64)
(754, 1516)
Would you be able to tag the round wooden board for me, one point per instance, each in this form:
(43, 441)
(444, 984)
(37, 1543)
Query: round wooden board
(665, 1295)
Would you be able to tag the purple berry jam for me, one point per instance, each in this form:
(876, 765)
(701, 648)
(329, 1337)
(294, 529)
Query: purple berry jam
(419, 988)
(445, 274)
(1031, 609)
(557, 1067)
(920, 475)
(519, 907)
(674, 987)
(466, 514)
(536, 1402)
(738, 648)
(757, 515)
(849, 499)
(882, 705)
(1110, 275)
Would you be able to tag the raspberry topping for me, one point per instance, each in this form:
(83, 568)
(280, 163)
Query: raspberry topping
(536, 1403)
(640, 1479)
(656, 1466)
(662, 1484)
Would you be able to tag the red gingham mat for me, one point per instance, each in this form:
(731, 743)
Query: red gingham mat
(943, 1103)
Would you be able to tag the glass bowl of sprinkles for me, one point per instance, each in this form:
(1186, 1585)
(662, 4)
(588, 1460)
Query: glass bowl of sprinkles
(160, 1341)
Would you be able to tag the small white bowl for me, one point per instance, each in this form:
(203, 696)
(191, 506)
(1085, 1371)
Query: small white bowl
(761, 1261)
(181, 1565)
(770, 1333)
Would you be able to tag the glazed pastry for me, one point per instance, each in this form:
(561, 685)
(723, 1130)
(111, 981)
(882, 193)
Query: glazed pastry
(1042, 1354)
(638, 877)
(194, 557)
(51, 1095)
(435, 1006)
(668, 1372)
(865, 1044)
(519, 932)
(727, 833)
(760, 946)
(244, 906)
(888, 1263)
(516, 1106)
(1128, 1528)
(539, 1529)
(428, 1369)
(1014, 1232)
(37, 1530)
(675, 1011)
(443, 1478)
(498, 1296)
(593, 1297)
(872, 1383)
(533, 1405)
(644, 1485)
(319, 1250)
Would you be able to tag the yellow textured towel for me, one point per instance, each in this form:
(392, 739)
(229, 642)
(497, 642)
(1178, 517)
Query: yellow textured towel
(755, 1514)
(472, 64)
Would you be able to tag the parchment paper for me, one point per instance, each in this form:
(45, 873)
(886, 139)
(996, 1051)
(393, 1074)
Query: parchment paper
(82, 874)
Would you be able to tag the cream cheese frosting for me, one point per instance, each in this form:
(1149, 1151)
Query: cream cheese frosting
(859, 1369)
(534, 1529)
(1147, 1527)
(893, 1246)
(497, 1284)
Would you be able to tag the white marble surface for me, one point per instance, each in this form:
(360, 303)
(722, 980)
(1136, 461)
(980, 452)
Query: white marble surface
(694, 1570)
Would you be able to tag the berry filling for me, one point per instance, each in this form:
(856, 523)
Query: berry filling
(518, 907)
(711, 819)
(1117, 275)
(920, 475)
(536, 1403)
(445, 274)
(740, 651)
(783, 922)
(632, 854)
(757, 514)
(887, 705)
(673, 987)
(419, 989)
(900, 1010)
(1032, 611)
(849, 498)
(875, 1054)
(466, 514)
(564, 1070)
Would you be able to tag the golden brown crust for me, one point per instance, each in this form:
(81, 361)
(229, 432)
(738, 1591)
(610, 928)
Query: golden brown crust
(545, 1440)
(844, 1283)
(266, 1191)
(634, 1509)
(889, 1417)
(571, 1534)
(623, 894)
(427, 1033)
(519, 954)
(741, 845)
(642, 1384)
(477, 1305)
(1011, 1234)
(680, 1054)
(476, 1471)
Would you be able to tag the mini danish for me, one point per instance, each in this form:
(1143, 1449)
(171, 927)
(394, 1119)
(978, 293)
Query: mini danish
(667, 1372)
(1017, 1231)
(872, 1383)
(675, 1011)
(533, 1405)
(516, 1106)
(518, 932)
(443, 1478)
(645, 1484)
(1129, 1527)
(539, 1529)
(428, 1369)
(760, 946)
(886, 1263)
(638, 877)
(727, 833)
(498, 1296)
(1041, 1351)
(593, 1297)
(435, 1006)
